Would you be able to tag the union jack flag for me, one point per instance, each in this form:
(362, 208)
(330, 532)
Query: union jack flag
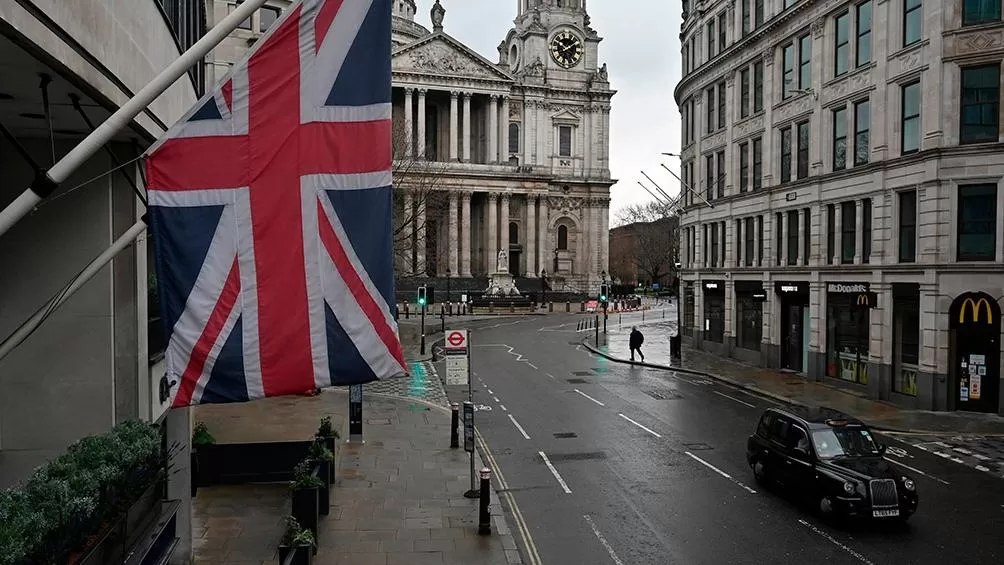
(270, 207)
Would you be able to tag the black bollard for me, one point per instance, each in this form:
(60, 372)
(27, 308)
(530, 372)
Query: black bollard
(596, 326)
(484, 516)
(442, 319)
(454, 425)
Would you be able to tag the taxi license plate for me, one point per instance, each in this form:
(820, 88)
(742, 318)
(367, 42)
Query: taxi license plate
(885, 513)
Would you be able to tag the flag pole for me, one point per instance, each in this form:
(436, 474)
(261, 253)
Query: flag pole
(46, 184)
(87, 274)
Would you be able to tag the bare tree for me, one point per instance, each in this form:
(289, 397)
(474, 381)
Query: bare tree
(417, 178)
(656, 247)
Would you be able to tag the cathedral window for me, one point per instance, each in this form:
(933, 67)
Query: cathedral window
(513, 138)
(562, 238)
(565, 141)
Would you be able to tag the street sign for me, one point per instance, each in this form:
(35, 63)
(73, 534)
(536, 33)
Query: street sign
(458, 358)
(356, 412)
(469, 427)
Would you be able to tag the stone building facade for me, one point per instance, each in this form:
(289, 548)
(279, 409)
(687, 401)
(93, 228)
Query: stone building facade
(510, 153)
(842, 153)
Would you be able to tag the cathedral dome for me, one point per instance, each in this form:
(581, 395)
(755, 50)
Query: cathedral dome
(405, 30)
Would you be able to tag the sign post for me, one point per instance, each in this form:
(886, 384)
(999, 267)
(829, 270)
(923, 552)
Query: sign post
(469, 446)
(356, 414)
(458, 358)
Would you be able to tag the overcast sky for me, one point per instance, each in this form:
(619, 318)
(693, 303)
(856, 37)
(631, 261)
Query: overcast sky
(640, 47)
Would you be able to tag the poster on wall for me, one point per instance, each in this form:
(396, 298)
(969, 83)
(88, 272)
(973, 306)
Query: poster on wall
(974, 386)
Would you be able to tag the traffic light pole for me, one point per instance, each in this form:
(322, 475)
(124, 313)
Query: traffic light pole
(422, 348)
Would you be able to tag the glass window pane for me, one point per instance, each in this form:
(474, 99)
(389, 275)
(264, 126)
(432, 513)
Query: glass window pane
(977, 222)
(864, 23)
(980, 104)
(913, 21)
(267, 17)
(862, 118)
(805, 62)
(565, 141)
(803, 150)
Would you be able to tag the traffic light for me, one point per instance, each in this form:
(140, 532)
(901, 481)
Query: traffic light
(422, 301)
(604, 292)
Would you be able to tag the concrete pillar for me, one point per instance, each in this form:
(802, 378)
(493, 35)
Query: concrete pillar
(454, 237)
(465, 234)
(531, 236)
(493, 129)
(422, 140)
(545, 247)
(453, 127)
(492, 235)
(409, 123)
(468, 130)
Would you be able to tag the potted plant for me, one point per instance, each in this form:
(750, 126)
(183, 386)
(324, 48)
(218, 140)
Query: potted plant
(325, 460)
(297, 540)
(305, 487)
(200, 436)
(329, 434)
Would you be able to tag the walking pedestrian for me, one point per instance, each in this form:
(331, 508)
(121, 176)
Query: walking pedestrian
(635, 341)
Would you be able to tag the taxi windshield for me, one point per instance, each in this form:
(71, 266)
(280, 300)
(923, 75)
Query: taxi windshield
(844, 442)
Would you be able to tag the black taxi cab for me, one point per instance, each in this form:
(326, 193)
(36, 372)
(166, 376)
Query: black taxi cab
(831, 460)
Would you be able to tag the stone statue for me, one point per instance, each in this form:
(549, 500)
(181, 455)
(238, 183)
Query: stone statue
(503, 262)
(603, 72)
(438, 13)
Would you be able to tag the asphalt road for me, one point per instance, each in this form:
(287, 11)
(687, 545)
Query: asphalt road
(647, 466)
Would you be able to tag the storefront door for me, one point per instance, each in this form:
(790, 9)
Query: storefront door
(975, 353)
(792, 325)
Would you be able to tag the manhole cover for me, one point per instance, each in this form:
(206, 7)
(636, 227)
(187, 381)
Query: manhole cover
(581, 456)
(565, 435)
(697, 446)
(577, 381)
(582, 373)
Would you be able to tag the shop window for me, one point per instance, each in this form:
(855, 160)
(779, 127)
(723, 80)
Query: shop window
(750, 322)
(714, 317)
(906, 338)
(847, 339)
(688, 310)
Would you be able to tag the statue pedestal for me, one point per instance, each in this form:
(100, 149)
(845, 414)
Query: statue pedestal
(502, 284)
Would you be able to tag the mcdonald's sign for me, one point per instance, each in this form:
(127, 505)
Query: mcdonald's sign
(866, 300)
(976, 307)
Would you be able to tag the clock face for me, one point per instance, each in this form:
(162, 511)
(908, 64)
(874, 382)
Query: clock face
(566, 49)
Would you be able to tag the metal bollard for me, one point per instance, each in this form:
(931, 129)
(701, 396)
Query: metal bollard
(484, 516)
(454, 426)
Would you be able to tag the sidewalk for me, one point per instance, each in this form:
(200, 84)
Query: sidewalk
(398, 499)
(793, 389)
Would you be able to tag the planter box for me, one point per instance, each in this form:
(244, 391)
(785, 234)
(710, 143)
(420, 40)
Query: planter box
(305, 508)
(324, 493)
(299, 555)
(332, 445)
(242, 463)
(146, 529)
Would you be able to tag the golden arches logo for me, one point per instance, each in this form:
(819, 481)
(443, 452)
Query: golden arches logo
(976, 306)
(862, 300)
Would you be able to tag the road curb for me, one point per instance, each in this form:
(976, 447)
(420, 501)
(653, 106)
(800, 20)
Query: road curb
(774, 396)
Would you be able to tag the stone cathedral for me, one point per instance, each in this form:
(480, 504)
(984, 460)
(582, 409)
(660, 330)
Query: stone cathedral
(507, 155)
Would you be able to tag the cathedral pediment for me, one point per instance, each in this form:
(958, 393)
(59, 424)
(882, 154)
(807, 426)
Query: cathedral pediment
(441, 55)
(565, 116)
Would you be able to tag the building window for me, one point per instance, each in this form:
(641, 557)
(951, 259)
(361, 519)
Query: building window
(759, 238)
(686, 59)
(805, 62)
(721, 32)
(721, 105)
(757, 164)
(563, 238)
(848, 231)
(744, 93)
(980, 103)
(913, 21)
(846, 339)
(750, 321)
(746, 17)
(788, 75)
(806, 236)
(980, 11)
(864, 25)
(905, 337)
(513, 233)
(862, 117)
(792, 237)
(758, 86)
(704, 243)
(711, 109)
(839, 139)
(720, 158)
(908, 226)
(744, 167)
(778, 238)
(843, 39)
(246, 24)
(739, 243)
(565, 141)
(831, 228)
(911, 117)
(977, 222)
(803, 150)
(714, 245)
(721, 261)
(757, 13)
(709, 178)
(688, 310)
(866, 230)
(267, 16)
(789, 3)
(711, 39)
(513, 138)
(750, 240)
(786, 155)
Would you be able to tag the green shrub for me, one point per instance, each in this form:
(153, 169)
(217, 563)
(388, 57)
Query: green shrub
(71, 497)
(201, 435)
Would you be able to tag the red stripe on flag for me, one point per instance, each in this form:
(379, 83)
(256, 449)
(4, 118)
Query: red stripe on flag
(197, 163)
(200, 353)
(325, 16)
(345, 147)
(228, 94)
(358, 289)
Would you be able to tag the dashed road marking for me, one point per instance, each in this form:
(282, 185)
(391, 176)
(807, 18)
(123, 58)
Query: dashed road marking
(982, 468)
(918, 471)
(502, 406)
(603, 541)
(535, 368)
(495, 398)
(640, 426)
(554, 472)
(720, 472)
(833, 540)
(519, 427)
(733, 398)
(589, 397)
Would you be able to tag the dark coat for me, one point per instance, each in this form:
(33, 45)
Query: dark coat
(636, 339)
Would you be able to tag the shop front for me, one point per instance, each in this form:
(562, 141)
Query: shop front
(793, 300)
(974, 353)
(714, 315)
(750, 297)
(847, 321)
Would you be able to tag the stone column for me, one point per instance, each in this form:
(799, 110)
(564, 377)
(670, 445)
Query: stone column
(454, 238)
(409, 122)
(503, 231)
(465, 234)
(589, 229)
(420, 234)
(838, 236)
(453, 126)
(858, 224)
(784, 227)
(768, 106)
(493, 230)
(604, 229)
(409, 245)
(504, 131)
(587, 137)
(493, 129)
(422, 140)
(529, 132)
(468, 130)
(802, 218)
(531, 236)
(740, 240)
(545, 247)
(756, 242)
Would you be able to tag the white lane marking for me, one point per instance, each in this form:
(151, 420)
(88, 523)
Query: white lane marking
(519, 427)
(963, 451)
(719, 471)
(639, 425)
(982, 468)
(744, 403)
(981, 457)
(554, 472)
(532, 365)
(918, 471)
(589, 397)
(552, 376)
(490, 391)
(603, 540)
(495, 398)
(832, 540)
(502, 406)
